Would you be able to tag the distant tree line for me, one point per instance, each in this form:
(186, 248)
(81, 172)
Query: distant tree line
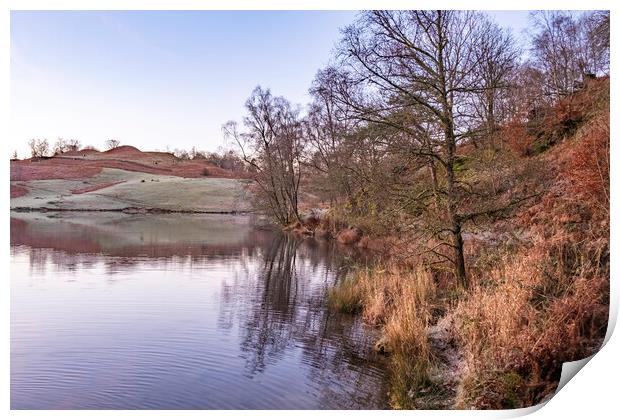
(41, 147)
(224, 159)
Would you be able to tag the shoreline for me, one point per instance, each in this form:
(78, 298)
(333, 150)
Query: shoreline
(126, 210)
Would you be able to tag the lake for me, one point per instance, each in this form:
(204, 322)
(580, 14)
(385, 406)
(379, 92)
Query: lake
(117, 311)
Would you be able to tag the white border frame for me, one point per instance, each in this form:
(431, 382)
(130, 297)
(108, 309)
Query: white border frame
(591, 394)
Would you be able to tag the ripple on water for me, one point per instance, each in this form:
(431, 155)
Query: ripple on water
(226, 324)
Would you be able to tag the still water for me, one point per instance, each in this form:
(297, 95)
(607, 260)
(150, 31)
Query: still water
(115, 311)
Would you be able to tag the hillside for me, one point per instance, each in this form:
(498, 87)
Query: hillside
(539, 273)
(125, 178)
(88, 162)
(543, 301)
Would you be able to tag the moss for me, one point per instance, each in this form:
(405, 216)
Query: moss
(461, 163)
(512, 383)
(541, 145)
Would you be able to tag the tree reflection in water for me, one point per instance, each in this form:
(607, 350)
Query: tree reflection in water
(281, 304)
(263, 337)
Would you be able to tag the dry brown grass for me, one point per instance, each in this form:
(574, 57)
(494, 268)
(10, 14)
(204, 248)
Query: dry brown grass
(406, 332)
(347, 296)
(399, 302)
(534, 303)
(516, 334)
(589, 162)
(548, 302)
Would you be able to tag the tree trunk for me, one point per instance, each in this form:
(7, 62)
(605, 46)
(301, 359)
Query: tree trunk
(455, 220)
(447, 120)
(433, 174)
(459, 255)
(491, 120)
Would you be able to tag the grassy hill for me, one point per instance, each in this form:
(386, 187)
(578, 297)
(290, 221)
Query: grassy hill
(127, 179)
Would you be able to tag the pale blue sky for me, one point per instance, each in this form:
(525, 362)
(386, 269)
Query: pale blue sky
(162, 79)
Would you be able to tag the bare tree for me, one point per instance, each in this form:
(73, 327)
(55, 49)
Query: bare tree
(112, 144)
(226, 159)
(73, 145)
(567, 49)
(272, 144)
(181, 154)
(414, 73)
(62, 146)
(59, 146)
(328, 128)
(39, 148)
(497, 58)
(596, 25)
(198, 155)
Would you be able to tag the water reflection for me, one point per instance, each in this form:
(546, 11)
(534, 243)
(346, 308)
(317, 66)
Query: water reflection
(285, 312)
(180, 312)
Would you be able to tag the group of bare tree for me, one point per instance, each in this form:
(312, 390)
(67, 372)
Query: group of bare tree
(272, 145)
(567, 48)
(41, 148)
(406, 92)
(229, 160)
(63, 146)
